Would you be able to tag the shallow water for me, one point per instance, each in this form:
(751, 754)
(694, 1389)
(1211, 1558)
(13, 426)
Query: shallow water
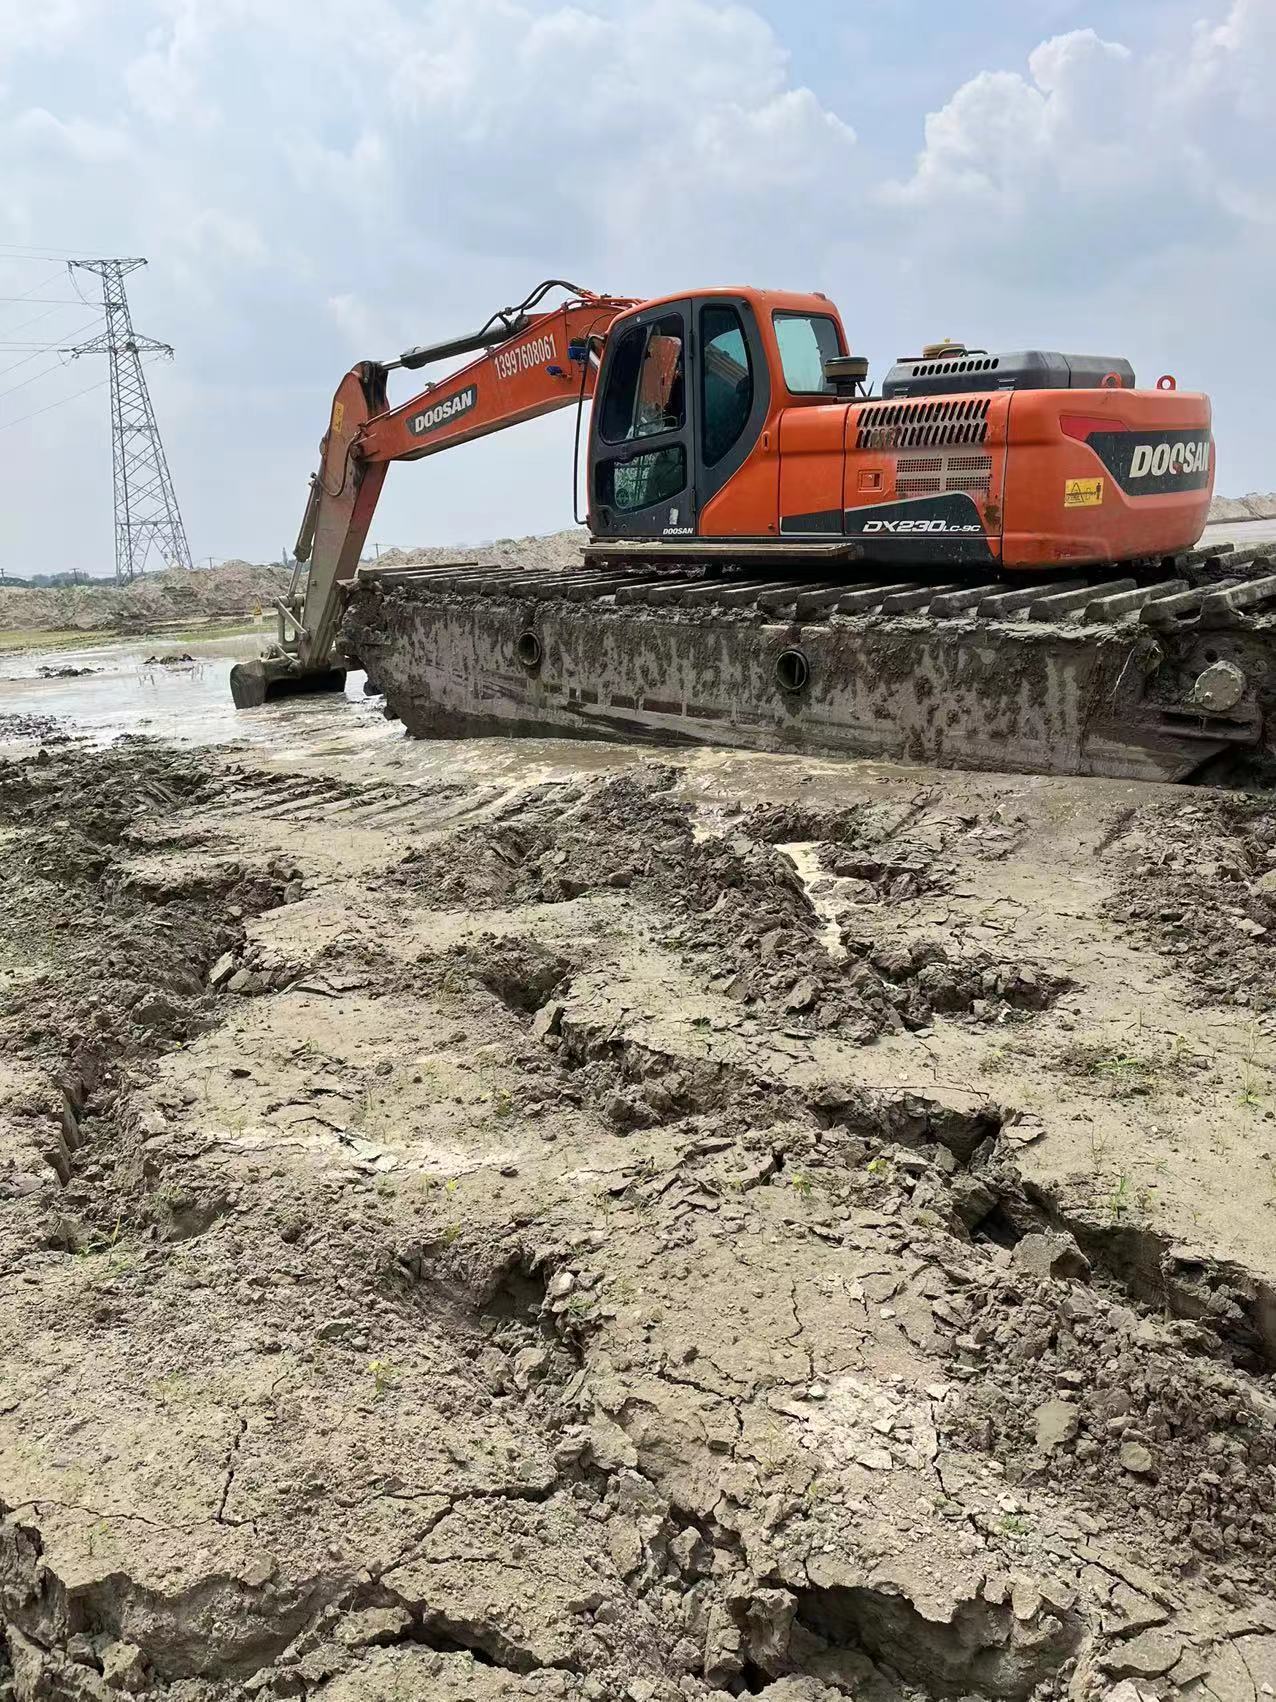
(190, 703)
(187, 703)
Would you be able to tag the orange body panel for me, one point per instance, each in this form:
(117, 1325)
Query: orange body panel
(752, 504)
(1049, 456)
(813, 465)
(1044, 497)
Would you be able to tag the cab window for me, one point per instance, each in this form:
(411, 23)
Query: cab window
(806, 341)
(643, 481)
(645, 394)
(726, 379)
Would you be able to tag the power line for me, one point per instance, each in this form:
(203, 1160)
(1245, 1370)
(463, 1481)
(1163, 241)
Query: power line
(36, 318)
(23, 382)
(36, 300)
(45, 348)
(43, 284)
(49, 406)
(20, 251)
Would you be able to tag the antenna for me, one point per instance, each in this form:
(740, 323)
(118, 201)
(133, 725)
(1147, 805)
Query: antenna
(146, 513)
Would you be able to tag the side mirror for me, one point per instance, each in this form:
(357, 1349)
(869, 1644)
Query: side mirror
(848, 374)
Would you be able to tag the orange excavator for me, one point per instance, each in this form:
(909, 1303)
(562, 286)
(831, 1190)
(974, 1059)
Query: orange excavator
(989, 563)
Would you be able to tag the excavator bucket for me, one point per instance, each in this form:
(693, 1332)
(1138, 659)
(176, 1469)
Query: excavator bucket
(268, 677)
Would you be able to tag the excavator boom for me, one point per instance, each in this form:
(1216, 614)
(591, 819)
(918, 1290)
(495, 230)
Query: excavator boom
(534, 361)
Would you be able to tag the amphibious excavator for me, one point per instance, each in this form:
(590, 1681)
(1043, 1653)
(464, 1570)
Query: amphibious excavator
(991, 562)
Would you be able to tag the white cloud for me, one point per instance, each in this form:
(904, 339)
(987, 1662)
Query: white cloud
(1237, 58)
(314, 183)
(25, 27)
(78, 140)
(1102, 139)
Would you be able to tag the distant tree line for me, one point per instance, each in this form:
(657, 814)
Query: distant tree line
(47, 581)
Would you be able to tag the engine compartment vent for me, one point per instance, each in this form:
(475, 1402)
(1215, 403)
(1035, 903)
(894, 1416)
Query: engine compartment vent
(938, 475)
(922, 425)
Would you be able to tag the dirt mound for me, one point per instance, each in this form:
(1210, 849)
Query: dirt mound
(1165, 1437)
(1258, 505)
(733, 903)
(1200, 879)
(550, 550)
(229, 591)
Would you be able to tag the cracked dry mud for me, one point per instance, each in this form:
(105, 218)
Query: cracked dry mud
(569, 1225)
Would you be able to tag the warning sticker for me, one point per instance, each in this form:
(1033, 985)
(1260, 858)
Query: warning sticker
(1082, 493)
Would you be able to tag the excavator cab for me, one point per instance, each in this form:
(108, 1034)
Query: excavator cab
(688, 388)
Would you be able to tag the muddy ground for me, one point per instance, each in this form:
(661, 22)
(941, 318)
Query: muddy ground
(583, 1225)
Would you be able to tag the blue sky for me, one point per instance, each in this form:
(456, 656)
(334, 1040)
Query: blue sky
(314, 183)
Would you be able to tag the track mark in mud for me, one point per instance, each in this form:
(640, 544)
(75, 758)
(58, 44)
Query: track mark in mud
(111, 947)
(733, 906)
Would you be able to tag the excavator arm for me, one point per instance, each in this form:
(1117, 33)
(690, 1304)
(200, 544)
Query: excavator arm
(534, 360)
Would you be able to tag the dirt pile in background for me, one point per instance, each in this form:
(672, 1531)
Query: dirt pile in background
(1258, 505)
(232, 589)
(229, 591)
(470, 1270)
(549, 550)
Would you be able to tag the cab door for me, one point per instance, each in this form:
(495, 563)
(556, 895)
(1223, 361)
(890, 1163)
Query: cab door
(733, 399)
(642, 432)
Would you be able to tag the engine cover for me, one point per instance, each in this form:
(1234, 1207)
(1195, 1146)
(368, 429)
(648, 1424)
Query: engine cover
(958, 372)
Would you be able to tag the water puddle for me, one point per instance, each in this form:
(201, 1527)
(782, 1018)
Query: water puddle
(127, 688)
(821, 889)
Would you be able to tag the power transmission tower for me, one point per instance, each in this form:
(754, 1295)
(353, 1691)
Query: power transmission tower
(146, 512)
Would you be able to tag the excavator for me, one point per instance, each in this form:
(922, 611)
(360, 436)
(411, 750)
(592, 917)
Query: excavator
(993, 562)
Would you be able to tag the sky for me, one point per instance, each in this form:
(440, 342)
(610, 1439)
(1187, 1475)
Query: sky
(315, 183)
